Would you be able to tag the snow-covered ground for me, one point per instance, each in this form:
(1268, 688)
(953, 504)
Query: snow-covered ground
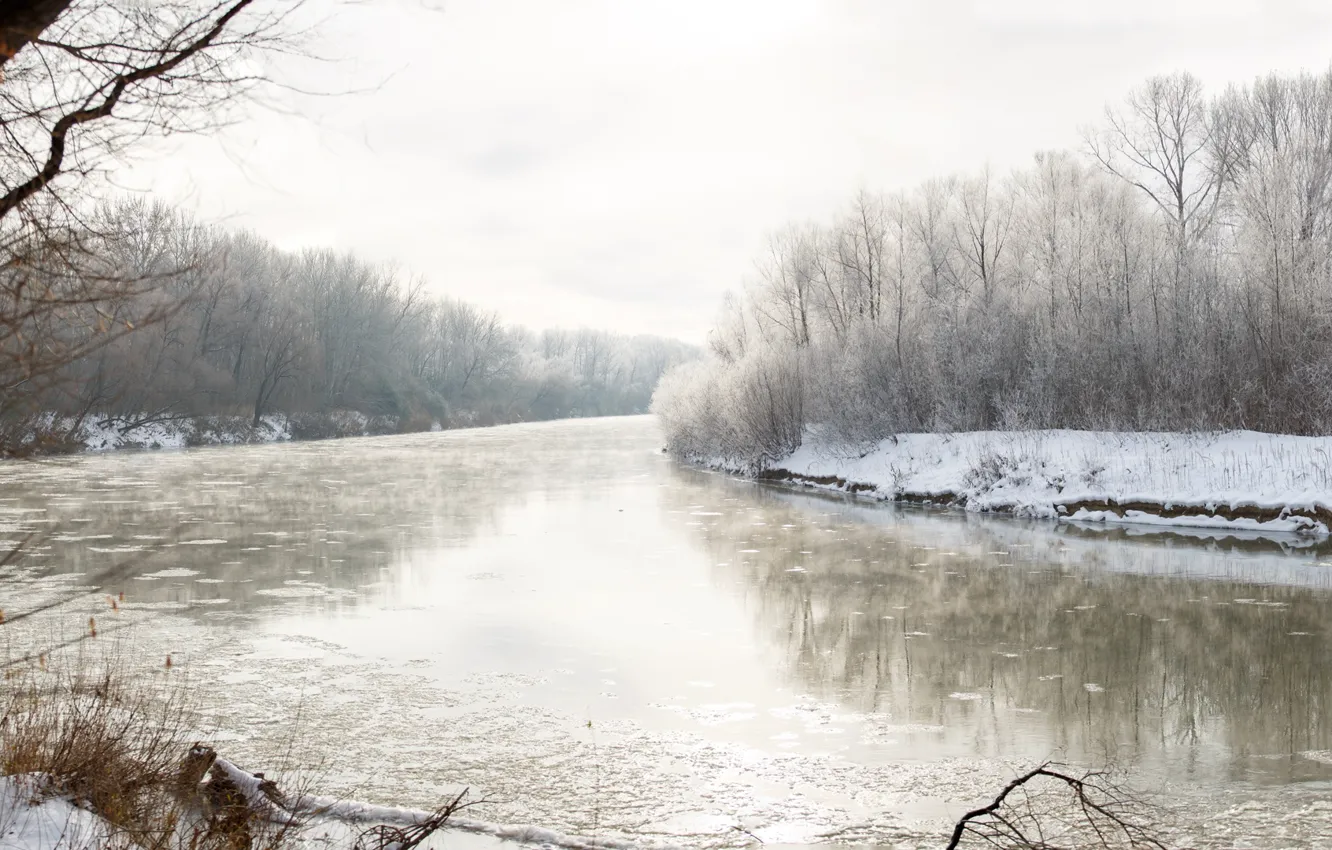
(1233, 480)
(105, 435)
(31, 819)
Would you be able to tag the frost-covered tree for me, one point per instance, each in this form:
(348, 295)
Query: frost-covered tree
(254, 331)
(1176, 274)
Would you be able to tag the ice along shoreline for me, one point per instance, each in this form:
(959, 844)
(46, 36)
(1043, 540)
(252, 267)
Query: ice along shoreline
(1241, 481)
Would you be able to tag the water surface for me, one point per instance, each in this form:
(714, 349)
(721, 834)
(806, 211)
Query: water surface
(606, 643)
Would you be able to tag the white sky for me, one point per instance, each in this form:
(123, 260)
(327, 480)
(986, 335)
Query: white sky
(618, 163)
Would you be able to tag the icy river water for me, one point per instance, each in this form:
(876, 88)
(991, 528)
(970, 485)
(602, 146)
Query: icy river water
(606, 643)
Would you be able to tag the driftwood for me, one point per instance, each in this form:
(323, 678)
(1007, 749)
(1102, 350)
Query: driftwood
(193, 768)
(234, 802)
(233, 805)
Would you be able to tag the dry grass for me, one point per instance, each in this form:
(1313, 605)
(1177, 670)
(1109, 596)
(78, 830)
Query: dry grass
(121, 747)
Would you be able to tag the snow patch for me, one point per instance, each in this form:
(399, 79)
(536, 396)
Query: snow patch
(33, 819)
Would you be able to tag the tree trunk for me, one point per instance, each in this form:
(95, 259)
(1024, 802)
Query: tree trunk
(21, 21)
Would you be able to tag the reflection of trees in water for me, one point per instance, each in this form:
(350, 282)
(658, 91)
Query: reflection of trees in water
(909, 616)
(343, 510)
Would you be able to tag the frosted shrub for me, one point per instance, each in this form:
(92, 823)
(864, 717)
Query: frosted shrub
(745, 415)
(857, 393)
(767, 398)
(687, 406)
(989, 468)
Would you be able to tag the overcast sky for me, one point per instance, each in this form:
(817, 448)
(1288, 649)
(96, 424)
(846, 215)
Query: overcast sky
(618, 163)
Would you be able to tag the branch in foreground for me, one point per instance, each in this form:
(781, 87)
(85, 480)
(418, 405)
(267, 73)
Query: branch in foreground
(100, 105)
(1101, 813)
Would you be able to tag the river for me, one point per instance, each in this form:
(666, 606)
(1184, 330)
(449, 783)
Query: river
(606, 643)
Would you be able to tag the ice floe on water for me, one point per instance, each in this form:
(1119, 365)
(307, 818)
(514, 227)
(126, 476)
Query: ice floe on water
(175, 572)
(302, 590)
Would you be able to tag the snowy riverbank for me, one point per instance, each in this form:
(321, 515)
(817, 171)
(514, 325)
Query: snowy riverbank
(49, 433)
(1240, 480)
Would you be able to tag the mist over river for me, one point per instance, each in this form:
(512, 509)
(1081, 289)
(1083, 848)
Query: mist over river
(606, 643)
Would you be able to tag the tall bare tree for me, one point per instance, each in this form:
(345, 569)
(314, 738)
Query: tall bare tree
(987, 216)
(1159, 142)
(84, 82)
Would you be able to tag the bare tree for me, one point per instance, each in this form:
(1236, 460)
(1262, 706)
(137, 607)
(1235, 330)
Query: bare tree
(1160, 143)
(786, 281)
(860, 253)
(84, 82)
(931, 228)
(900, 234)
(983, 232)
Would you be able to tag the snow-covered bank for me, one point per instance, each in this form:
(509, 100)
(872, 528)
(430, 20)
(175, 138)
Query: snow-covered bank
(1239, 480)
(49, 433)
